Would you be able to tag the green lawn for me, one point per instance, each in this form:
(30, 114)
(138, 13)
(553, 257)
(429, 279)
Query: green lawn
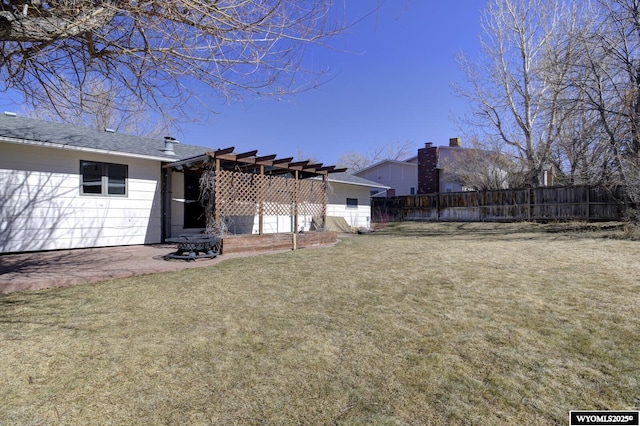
(416, 324)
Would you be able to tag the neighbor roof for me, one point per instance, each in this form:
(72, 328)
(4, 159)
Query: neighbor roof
(355, 180)
(384, 162)
(23, 130)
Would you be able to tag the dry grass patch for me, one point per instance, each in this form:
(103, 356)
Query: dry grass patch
(417, 324)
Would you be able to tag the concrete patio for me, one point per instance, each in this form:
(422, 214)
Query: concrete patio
(34, 271)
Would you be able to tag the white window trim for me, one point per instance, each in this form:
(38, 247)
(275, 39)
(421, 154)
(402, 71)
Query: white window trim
(104, 183)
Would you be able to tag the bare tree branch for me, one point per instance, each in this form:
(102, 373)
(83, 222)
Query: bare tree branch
(100, 111)
(356, 161)
(161, 53)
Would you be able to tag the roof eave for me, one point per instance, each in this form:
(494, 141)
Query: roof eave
(359, 183)
(55, 145)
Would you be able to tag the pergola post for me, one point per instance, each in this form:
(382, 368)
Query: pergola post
(295, 204)
(324, 211)
(216, 216)
(261, 202)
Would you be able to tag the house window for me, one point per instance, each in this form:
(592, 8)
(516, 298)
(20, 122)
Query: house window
(412, 190)
(103, 178)
(194, 214)
(352, 203)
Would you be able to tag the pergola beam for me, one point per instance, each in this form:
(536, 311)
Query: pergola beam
(298, 164)
(225, 158)
(282, 160)
(247, 154)
(221, 152)
(326, 169)
(266, 159)
(312, 167)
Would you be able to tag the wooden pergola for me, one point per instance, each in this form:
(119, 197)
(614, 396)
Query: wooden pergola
(250, 184)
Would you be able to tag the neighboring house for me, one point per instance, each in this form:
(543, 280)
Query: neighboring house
(63, 187)
(401, 177)
(431, 162)
(422, 174)
(447, 168)
(441, 168)
(350, 197)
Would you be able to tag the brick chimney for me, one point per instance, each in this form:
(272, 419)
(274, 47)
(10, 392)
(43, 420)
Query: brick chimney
(428, 174)
(455, 142)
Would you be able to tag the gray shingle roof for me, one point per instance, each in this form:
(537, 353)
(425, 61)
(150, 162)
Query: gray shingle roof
(354, 180)
(65, 135)
(402, 162)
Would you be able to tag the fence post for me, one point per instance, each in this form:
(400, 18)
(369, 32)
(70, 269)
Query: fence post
(588, 188)
(529, 205)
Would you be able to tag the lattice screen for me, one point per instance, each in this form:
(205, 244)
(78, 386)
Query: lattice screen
(239, 194)
(278, 195)
(236, 193)
(312, 196)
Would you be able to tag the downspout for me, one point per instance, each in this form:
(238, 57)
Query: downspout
(325, 181)
(217, 197)
(165, 205)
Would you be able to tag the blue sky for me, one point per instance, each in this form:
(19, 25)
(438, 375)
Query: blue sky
(390, 81)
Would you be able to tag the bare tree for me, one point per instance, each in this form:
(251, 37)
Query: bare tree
(611, 91)
(302, 155)
(581, 155)
(480, 169)
(560, 86)
(356, 161)
(517, 86)
(160, 53)
(100, 110)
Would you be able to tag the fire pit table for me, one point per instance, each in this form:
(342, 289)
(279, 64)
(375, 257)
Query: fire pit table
(192, 247)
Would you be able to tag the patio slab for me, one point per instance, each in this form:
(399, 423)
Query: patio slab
(39, 270)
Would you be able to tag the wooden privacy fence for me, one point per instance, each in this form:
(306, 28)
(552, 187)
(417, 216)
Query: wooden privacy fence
(535, 204)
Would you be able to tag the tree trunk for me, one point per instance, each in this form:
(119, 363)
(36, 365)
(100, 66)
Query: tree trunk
(15, 27)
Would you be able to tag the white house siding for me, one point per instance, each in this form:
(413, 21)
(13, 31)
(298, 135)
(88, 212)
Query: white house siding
(400, 176)
(274, 224)
(41, 207)
(337, 204)
(271, 224)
